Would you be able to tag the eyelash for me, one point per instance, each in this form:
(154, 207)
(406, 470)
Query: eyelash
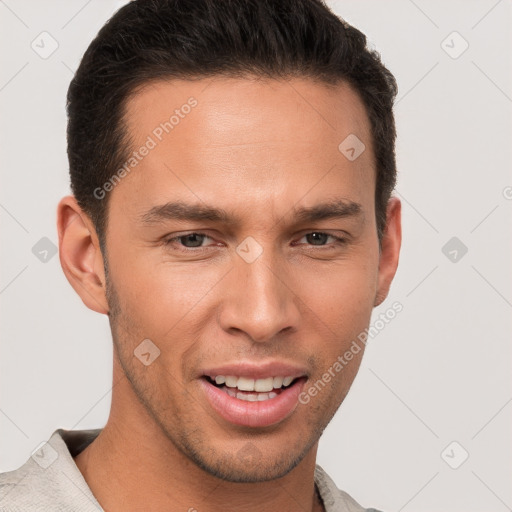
(169, 241)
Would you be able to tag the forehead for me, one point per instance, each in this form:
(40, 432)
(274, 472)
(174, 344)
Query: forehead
(227, 104)
(245, 140)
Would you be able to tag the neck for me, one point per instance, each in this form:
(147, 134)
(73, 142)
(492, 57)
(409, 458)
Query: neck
(133, 464)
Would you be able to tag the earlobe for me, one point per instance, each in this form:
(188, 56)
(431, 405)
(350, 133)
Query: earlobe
(80, 254)
(390, 249)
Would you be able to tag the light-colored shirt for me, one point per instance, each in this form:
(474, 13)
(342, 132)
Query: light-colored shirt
(50, 481)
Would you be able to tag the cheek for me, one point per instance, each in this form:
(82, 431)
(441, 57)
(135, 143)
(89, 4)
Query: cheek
(342, 294)
(160, 296)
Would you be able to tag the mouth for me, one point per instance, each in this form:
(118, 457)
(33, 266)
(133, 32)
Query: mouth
(252, 390)
(253, 402)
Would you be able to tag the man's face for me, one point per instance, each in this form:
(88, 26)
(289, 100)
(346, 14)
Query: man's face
(262, 293)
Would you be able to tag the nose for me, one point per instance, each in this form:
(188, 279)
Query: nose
(259, 299)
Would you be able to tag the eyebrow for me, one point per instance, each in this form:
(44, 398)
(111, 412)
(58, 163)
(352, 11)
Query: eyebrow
(181, 211)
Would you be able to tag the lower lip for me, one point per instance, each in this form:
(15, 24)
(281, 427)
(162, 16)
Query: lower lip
(254, 414)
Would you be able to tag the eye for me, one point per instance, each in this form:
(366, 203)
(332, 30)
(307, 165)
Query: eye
(319, 238)
(188, 241)
(193, 242)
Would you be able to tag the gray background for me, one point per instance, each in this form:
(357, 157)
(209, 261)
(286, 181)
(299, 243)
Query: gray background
(439, 372)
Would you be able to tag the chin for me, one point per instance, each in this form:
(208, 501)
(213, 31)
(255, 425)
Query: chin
(238, 473)
(249, 464)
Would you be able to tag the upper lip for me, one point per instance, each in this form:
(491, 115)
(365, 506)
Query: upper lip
(252, 370)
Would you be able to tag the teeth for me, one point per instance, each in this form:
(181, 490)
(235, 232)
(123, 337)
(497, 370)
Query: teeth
(249, 398)
(264, 385)
(259, 385)
(287, 381)
(244, 384)
(259, 397)
(231, 381)
(278, 382)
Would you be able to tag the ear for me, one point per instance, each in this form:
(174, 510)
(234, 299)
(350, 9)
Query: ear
(80, 254)
(390, 249)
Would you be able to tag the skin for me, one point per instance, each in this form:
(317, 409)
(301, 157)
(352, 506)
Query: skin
(257, 149)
